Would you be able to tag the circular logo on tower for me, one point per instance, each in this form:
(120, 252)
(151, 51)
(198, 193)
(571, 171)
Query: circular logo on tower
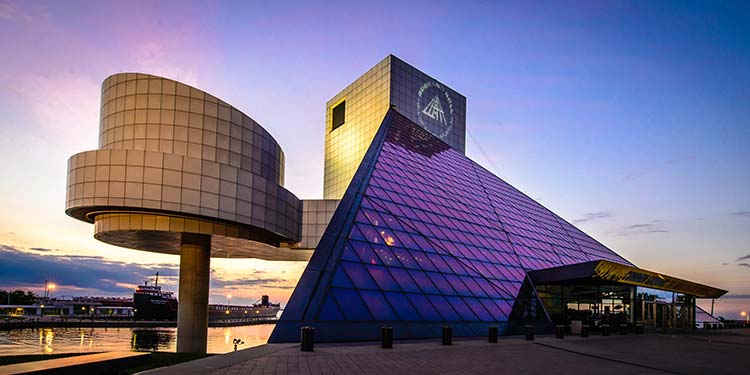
(435, 109)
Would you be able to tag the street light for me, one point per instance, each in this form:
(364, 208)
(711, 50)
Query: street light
(48, 286)
(744, 313)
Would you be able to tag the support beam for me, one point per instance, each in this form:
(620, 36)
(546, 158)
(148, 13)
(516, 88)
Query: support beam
(192, 312)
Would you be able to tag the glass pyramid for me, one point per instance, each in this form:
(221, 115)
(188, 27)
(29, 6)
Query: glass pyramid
(425, 237)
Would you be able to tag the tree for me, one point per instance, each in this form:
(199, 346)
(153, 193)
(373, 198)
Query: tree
(18, 297)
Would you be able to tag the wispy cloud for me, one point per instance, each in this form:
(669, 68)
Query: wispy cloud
(589, 216)
(657, 167)
(743, 213)
(59, 105)
(743, 258)
(643, 228)
(736, 296)
(744, 264)
(41, 249)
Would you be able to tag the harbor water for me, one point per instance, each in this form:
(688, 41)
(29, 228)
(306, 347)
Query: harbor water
(77, 340)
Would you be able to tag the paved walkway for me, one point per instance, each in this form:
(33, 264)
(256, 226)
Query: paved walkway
(720, 352)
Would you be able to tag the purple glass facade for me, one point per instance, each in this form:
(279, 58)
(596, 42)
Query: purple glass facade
(426, 237)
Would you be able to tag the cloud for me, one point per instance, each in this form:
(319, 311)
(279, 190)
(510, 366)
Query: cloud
(743, 258)
(742, 213)
(7, 11)
(657, 168)
(736, 296)
(643, 228)
(86, 274)
(61, 106)
(42, 249)
(245, 282)
(589, 216)
(638, 226)
(744, 264)
(27, 269)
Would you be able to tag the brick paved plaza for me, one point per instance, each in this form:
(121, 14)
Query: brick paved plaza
(714, 352)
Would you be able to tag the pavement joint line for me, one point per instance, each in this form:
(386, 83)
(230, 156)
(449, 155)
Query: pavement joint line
(220, 362)
(610, 359)
(710, 340)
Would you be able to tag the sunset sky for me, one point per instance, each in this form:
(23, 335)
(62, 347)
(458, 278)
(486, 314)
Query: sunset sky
(629, 119)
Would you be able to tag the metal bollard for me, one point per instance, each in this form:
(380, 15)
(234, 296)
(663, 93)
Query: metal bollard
(623, 329)
(585, 330)
(307, 338)
(560, 331)
(386, 337)
(605, 329)
(447, 335)
(492, 334)
(529, 332)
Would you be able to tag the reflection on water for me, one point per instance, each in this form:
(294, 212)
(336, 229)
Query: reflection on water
(152, 339)
(70, 340)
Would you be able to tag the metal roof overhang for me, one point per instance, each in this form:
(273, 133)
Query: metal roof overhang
(606, 272)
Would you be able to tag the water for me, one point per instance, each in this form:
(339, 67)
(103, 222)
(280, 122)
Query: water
(76, 340)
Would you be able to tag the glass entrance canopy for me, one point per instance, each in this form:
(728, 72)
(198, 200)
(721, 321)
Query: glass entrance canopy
(603, 292)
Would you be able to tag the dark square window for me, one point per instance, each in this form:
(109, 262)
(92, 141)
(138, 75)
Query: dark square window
(339, 112)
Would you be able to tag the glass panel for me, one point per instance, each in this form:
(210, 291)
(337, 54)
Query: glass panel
(340, 279)
(494, 310)
(365, 253)
(458, 285)
(404, 280)
(330, 311)
(402, 306)
(423, 305)
(355, 307)
(460, 306)
(378, 305)
(405, 258)
(349, 254)
(383, 278)
(386, 255)
(441, 283)
(423, 281)
(478, 309)
(443, 307)
(422, 260)
(359, 275)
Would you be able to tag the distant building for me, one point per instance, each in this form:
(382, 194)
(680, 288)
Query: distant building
(703, 318)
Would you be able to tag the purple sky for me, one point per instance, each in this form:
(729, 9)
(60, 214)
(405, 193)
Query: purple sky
(630, 119)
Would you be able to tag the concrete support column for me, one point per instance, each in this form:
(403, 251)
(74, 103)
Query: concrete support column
(192, 312)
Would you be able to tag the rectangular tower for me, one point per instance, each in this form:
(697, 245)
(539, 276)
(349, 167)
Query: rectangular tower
(354, 114)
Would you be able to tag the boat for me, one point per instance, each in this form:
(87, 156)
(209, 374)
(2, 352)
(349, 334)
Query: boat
(262, 309)
(150, 302)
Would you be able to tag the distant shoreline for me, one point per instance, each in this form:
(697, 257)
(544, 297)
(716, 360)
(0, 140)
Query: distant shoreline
(83, 323)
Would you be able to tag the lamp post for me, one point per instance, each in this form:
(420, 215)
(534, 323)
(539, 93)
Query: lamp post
(48, 286)
(745, 314)
(229, 303)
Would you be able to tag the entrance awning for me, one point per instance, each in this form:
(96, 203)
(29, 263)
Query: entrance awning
(603, 271)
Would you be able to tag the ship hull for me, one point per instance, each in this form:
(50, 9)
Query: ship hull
(151, 307)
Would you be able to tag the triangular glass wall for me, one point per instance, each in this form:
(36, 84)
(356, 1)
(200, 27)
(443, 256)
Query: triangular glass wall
(425, 237)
